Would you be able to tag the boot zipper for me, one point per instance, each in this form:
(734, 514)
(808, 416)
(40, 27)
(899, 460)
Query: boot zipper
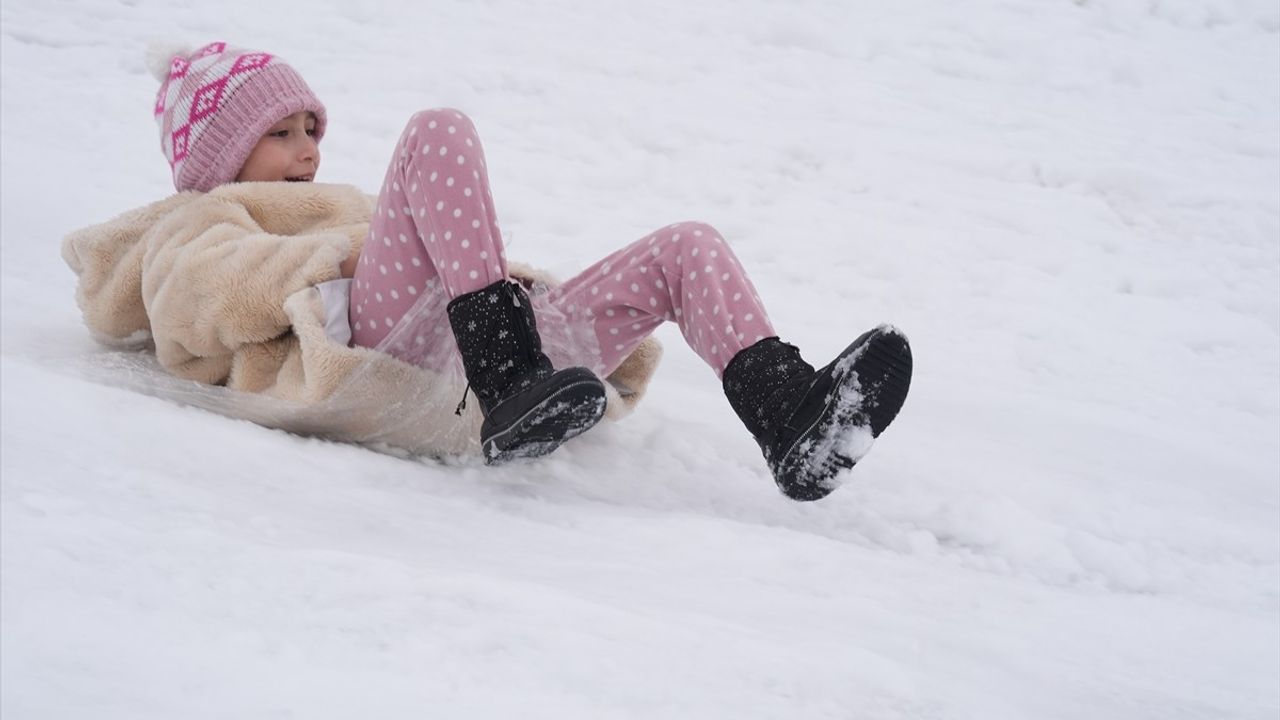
(522, 325)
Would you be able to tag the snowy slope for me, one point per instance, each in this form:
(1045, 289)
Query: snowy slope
(1072, 208)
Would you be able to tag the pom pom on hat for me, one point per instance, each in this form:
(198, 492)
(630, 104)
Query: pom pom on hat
(216, 102)
(160, 53)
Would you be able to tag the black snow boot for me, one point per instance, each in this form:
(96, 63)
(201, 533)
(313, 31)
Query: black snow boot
(813, 424)
(529, 408)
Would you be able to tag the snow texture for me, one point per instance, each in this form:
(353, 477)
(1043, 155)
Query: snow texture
(1071, 207)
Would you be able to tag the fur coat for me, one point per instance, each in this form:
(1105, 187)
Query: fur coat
(222, 286)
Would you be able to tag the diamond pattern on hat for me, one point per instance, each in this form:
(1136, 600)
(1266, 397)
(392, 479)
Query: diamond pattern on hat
(213, 48)
(250, 62)
(207, 100)
(180, 138)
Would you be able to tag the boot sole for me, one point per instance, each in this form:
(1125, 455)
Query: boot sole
(867, 395)
(563, 415)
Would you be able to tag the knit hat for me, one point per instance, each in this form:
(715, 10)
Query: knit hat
(215, 103)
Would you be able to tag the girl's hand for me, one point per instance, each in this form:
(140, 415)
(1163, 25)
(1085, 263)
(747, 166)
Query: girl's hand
(348, 267)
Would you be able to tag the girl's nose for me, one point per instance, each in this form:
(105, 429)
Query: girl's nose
(309, 150)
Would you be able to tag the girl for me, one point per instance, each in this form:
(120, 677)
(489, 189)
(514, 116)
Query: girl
(424, 278)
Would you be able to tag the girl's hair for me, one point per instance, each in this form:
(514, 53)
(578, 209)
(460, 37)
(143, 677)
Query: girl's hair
(216, 102)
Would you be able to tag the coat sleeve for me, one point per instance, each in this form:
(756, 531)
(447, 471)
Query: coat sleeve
(217, 284)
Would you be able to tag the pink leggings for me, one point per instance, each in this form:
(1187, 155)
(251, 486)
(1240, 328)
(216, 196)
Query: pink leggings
(435, 229)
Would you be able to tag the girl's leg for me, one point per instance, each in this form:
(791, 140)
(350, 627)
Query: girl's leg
(434, 226)
(685, 273)
(434, 230)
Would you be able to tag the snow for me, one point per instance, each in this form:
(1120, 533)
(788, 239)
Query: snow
(1071, 208)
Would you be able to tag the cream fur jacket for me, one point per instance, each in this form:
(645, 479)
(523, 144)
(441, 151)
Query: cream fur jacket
(223, 285)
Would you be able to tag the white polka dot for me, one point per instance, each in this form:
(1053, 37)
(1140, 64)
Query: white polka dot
(416, 261)
(426, 148)
(618, 277)
(636, 326)
(420, 340)
(395, 295)
(412, 290)
(632, 312)
(715, 310)
(407, 212)
(448, 235)
(395, 185)
(595, 291)
(714, 253)
(466, 191)
(655, 252)
(694, 253)
(693, 275)
(473, 274)
(452, 129)
(697, 233)
(678, 313)
(422, 212)
(619, 346)
(440, 205)
(455, 265)
(475, 224)
(386, 241)
(434, 175)
(675, 238)
(469, 143)
(613, 331)
(414, 188)
(404, 239)
(391, 213)
(466, 243)
(378, 297)
(358, 326)
(448, 182)
(388, 322)
(715, 349)
(432, 237)
(432, 124)
(444, 150)
(653, 302)
(707, 269)
(382, 269)
(608, 296)
(457, 212)
(749, 317)
(399, 266)
(484, 254)
(737, 297)
(725, 277)
(461, 159)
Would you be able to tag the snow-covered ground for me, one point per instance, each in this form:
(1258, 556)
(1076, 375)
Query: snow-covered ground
(1073, 209)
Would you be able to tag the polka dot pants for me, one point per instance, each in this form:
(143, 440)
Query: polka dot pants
(435, 230)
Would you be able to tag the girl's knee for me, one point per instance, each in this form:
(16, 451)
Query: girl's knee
(694, 235)
(441, 120)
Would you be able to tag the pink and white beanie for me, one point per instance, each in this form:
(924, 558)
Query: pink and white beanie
(216, 102)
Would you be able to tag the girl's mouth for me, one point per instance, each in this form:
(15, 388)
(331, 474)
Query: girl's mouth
(300, 178)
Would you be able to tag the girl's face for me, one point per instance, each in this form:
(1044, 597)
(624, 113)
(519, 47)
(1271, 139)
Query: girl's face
(287, 152)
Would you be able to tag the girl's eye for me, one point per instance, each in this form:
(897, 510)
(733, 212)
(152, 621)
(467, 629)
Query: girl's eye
(311, 132)
(280, 133)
